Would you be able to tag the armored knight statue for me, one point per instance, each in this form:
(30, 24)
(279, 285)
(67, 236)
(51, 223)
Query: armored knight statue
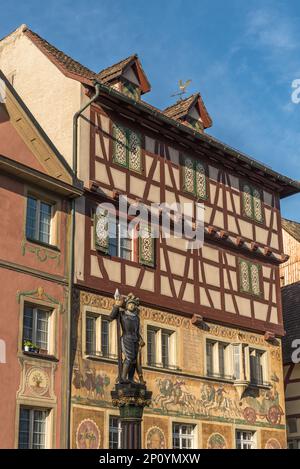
(126, 312)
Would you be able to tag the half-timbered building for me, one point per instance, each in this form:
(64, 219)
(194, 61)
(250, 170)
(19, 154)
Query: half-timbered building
(211, 316)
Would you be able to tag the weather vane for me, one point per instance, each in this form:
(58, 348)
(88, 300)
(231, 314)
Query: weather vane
(182, 87)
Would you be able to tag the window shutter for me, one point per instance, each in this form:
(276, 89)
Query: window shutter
(255, 279)
(244, 276)
(188, 174)
(257, 205)
(247, 201)
(101, 231)
(120, 145)
(135, 151)
(200, 180)
(146, 246)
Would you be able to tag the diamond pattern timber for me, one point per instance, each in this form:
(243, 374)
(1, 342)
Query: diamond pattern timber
(255, 279)
(120, 145)
(101, 231)
(247, 201)
(200, 180)
(244, 275)
(188, 175)
(135, 157)
(258, 215)
(146, 245)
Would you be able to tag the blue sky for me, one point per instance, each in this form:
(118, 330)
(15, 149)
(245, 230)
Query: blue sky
(241, 55)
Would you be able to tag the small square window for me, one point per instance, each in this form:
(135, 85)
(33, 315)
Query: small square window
(183, 436)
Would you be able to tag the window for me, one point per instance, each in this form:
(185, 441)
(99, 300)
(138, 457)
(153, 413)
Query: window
(91, 335)
(127, 149)
(245, 439)
(121, 242)
(217, 359)
(131, 90)
(38, 221)
(97, 336)
(194, 177)
(236, 351)
(165, 347)
(32, 428)
(160, 347)
(195, 123)
(257, 366)
(294, 444)
(115, 432)
(116, 239)
(252, 202)
(250, 278)
(183, 436)
(151, 347)
(36, 328)
(292, 425)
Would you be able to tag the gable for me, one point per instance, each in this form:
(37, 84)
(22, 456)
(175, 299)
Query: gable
(22, 140)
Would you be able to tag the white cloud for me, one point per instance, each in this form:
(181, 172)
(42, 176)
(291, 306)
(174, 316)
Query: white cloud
(269, 28)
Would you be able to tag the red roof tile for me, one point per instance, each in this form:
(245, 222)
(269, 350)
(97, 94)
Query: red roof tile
(181, 108)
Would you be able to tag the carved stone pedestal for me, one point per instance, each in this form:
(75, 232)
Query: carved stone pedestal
(131, 400)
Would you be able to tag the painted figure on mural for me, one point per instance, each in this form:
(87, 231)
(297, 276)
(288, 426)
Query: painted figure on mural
(126, 312)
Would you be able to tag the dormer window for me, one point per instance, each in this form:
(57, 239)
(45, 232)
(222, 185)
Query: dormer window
(194, 123)
(131, 90)
(127, 77)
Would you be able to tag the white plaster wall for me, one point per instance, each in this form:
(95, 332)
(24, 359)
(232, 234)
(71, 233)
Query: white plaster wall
(50, 96)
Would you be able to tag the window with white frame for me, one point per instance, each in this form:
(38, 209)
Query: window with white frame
(115, 432)
(38, 220)
(236, 360)
(33, 428)
(121, 241)
(218, 363)
(257, 366)
(36, 329)
(183, 436)
(99, 337)
(245, 439)
(161, 347)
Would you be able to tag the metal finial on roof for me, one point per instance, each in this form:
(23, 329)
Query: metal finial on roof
(182, 87)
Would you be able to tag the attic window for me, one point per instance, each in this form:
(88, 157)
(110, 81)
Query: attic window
(131, 90)
(194, 123)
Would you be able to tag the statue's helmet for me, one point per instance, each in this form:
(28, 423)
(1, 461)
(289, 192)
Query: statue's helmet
(131, 298)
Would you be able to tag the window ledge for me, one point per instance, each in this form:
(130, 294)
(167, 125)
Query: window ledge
(52, 247)
(40, 356)
(163, 368)
(225, 379)
(100, 358)
(260, 385)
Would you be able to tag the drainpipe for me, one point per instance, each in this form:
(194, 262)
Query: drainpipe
(71, 259)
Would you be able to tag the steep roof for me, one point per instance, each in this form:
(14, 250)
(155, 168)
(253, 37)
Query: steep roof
(77, 71)
(182, 107)
(291, 318)
(65, 63)
(292, 227)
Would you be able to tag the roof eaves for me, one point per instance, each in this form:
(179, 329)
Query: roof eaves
(295, 185)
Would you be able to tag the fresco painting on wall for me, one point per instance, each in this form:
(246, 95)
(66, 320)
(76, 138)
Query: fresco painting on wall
(155, 438)
(87, 435)
(216, 441)
(90, 384)
(218, 400)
